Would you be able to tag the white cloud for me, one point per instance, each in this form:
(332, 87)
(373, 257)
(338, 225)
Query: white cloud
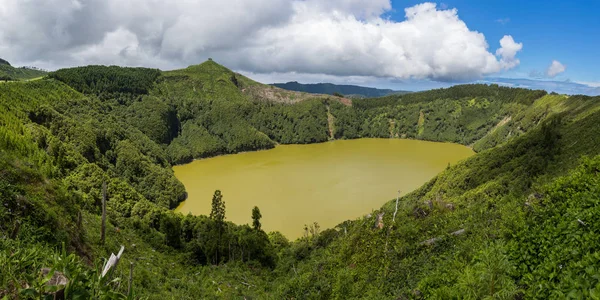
(334, 37)
(561, 87)
(590, 83)
(359, 8)
(508, 52)
(555, 68)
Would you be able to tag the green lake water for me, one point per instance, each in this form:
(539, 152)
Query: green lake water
(326, 183)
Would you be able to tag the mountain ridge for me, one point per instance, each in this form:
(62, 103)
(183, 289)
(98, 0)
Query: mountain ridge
(351, 91)
(527, 190)
(11, 73)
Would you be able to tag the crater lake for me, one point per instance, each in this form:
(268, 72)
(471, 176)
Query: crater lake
(327, 183)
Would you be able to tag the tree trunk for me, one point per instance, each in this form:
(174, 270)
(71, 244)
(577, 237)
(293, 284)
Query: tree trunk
(396, 211)
(103, 228)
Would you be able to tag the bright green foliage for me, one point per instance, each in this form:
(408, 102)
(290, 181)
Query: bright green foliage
(501, 224)
(212, 112)
(461, 114)
(556, 249)
(9, 73)
(22, 272)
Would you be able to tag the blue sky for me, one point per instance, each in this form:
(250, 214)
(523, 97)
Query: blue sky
(566, 31)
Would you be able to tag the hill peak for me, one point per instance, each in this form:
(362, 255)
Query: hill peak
(4, 62)
(209, 66)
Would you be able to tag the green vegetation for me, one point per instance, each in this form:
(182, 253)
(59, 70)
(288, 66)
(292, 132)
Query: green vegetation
(461, 114)
(352, 91)
(10, 73)
(108, 82)
(519, 219)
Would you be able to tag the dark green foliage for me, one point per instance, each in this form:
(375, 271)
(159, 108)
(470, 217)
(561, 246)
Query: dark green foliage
(501, 93)
(4, 62)
(6, 78)
(302, 123)
(108, 82)
(461, 114)
(217, 212)
(170, 226)
(347, 121)
(155, 118)
(478, 216)
(256, 218)
(212, 122)
(363, 104)
(498, 225)
(195, 141)
(340, 90)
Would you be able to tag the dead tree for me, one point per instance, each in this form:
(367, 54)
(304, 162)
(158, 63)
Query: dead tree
(432, 241)
(112, 262)
(103, 228)
(396, 211)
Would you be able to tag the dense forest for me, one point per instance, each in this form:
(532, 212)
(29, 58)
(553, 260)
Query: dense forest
(516, 220)
(350, 91)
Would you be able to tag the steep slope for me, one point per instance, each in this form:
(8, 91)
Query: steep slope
(496, 224)
(351, 91)
(469, 230)
(460, 114)
(58, 148)
(8, 72)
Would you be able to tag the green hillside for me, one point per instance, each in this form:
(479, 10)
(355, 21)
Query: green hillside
(516, 220)
(351, 91)
(10, 73)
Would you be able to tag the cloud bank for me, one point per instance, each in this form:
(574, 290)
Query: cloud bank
(561, 87)
(334, 37)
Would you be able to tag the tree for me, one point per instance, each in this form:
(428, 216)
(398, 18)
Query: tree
(170, 225)
(256, 218)
(217, 212)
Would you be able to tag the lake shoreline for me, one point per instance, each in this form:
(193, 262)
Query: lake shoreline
(324, 142)
(326, 182)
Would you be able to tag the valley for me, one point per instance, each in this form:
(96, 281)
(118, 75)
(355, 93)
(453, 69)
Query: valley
(510, 209)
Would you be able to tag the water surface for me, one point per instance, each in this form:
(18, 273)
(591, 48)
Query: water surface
(326, 183)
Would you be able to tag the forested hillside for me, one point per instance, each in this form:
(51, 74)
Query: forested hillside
(10, 73)
(517, 220)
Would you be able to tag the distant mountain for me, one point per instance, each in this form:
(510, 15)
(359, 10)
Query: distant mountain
(8, 72)
(351, 91)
